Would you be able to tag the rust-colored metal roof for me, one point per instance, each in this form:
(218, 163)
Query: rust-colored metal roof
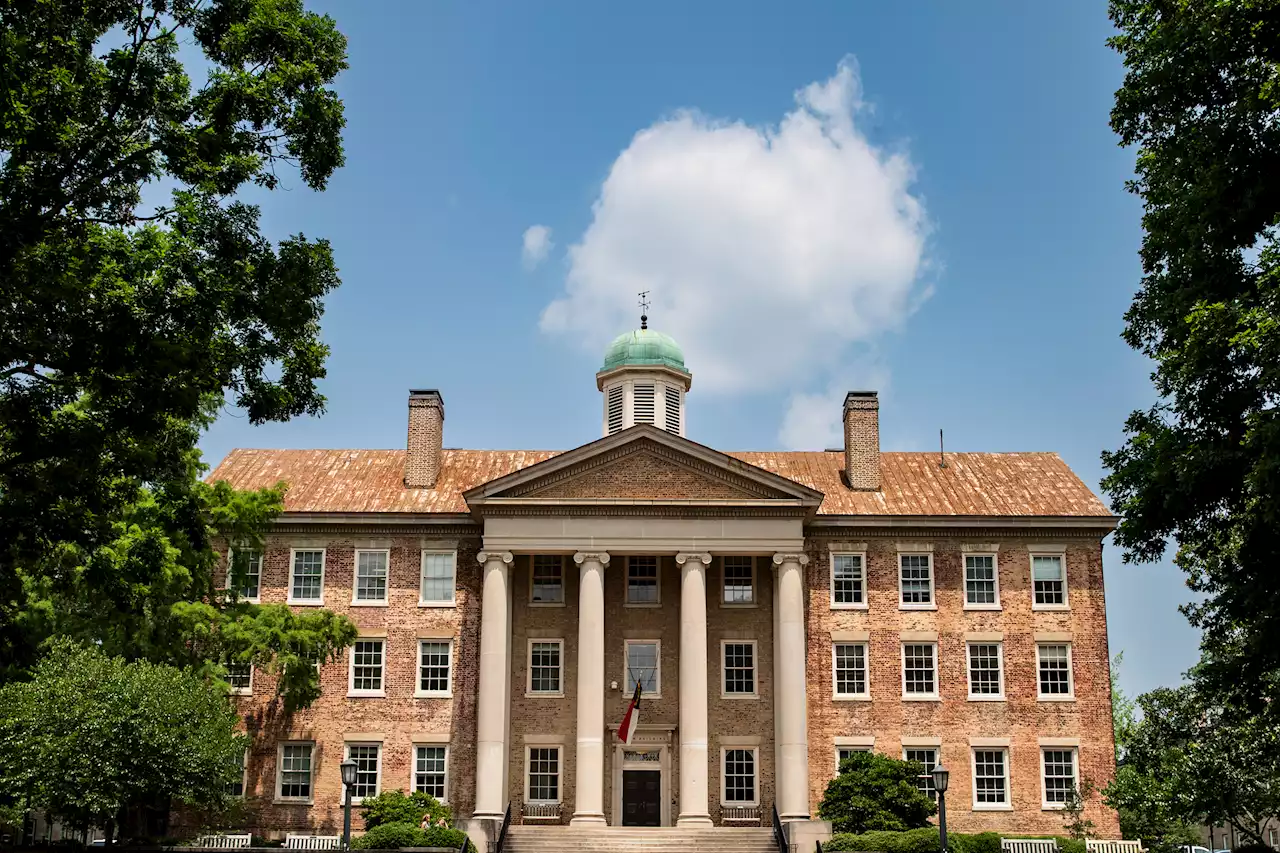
(971, 484)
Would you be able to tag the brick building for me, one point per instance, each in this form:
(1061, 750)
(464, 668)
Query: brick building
(777, 608)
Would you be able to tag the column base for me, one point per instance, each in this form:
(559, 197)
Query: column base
(694, 820)
(788, 818)
(587, 819)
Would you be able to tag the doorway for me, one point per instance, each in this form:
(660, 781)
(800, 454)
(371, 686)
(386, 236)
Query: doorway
(641, 797)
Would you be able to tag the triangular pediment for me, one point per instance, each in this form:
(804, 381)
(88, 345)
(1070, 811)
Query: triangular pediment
(645, 465)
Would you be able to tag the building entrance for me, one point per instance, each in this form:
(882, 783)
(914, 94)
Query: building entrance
(641, 798)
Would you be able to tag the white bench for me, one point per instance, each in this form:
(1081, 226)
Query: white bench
(223, 842)
(749, 815)
(1028, 845)
(541, 812)
(1100, 846)
(312, 842)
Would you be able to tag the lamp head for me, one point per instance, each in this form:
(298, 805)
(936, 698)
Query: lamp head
(941, 778)
(348, 770)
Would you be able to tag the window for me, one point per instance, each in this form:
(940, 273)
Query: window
(915, 579)
(850, 662)
(981, 581)
(236, 788)
(293, 780)
(1053, 660)
(240, 677)
(986, 676)
(740, 668)
(739, 777)
(367, 757)
(614, 412)
(548, 579)
(434, 663)
(1059, 776)
(919, 677)
(643, 667)
(306, 584)
(846, 580)
(545, 658)
(928, 757)
(673, 409)
(544, 774)
(1273, 838)
(1048, 576)
(843, 752)
(642, 404)
(252, 562)
(642, 580)
(990, 778)
(366, 668)
(371, 577)
(430, 769)
(739, 580)
(437, 578)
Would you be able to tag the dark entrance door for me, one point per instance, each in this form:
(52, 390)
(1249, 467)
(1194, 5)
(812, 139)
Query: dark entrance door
(641, 798)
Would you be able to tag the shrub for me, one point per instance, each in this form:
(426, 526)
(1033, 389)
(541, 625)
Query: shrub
(876, 792)
(440, 836)
(399, 807)
(391, 836)
(982, 842)
(914, 841)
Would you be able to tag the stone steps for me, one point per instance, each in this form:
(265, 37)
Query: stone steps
(625, 839)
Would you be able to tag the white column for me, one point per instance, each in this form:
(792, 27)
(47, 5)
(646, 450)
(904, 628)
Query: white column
(790, 708)
(693, 690)
(495, 672)
(589, 805)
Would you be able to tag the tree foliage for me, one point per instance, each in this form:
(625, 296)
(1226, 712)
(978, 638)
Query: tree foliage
(1201, 103)
(396, 806)
(92, 735)
(121, 320)
(876, 792)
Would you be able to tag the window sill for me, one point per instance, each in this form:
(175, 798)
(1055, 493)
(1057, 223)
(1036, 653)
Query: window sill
(529, 694)
(291, 801)
(921, 697)
(990, 807)
(987, 698)
(432, 694)
(546, 604)
(932, 606)
(1050, 607)
(738, 605)
(732, 696)
(643, 604)
(850, 697)
(244, 599)
(854, 606)
(305, 602)
(1070, 697)
(241, 691)
(366, 694)
(729, 804)
(370, 603)
(443, 604)
(1052, 807)
(987, 607)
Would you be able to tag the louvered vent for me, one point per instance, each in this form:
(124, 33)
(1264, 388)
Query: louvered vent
(673, 410)
(642, 404)
(615, 409)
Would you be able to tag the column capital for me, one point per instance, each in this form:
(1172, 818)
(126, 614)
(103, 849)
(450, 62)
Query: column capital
(780, 558)
(704, 558)
(601, 557)
(485, 556)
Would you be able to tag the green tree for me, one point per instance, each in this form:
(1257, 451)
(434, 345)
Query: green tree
(120, 321)
(1201, 103)
(92, 735)
(876, 792)
(1124, 710)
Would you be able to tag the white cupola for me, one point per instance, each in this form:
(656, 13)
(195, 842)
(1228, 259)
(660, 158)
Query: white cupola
(644, 381)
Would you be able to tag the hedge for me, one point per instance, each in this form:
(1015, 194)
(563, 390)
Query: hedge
(392, 836)
(926, 841)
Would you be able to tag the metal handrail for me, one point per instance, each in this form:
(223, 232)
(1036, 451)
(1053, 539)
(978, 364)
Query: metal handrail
(779, 835)
(502, 833)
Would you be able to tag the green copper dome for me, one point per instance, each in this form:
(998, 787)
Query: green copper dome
(644, 347)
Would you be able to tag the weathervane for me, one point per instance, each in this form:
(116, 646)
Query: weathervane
(644, 309)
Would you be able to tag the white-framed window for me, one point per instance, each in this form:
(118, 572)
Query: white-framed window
(986, 671)
(643, 582)
(920, 670)
(849, 670)
(1048, 581)
(739, 675)
(915, 581)
(644, 664)
(237, 787)
(368, 657)
(843, 752)
(1053, 671)
(1058, 775)
(293, 771)
(547, 586)
(848, 580)
(368, 759)
(739, 580)
(1273, 838)
(928, 757)
(306, 576)
(372, 568)
(981, 582)
(435, 668)
(738, 777)
(251, 589)
(546, 667)
(431, 770)
(542, 779)
(991, 778)
(240, 677)
(439, 570)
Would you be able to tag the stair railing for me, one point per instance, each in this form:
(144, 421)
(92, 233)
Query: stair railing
(502, 833)
(779, 834)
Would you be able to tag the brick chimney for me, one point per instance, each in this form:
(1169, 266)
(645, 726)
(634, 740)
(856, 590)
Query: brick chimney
(862, 440)
(426, 436)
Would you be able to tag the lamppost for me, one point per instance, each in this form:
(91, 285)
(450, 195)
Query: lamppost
(941, 778)
(348, 769)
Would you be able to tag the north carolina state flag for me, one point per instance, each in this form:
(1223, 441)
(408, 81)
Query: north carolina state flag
(631, 719)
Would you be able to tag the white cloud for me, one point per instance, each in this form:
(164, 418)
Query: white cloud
(537, 245)
(815, 421)
(770, 253)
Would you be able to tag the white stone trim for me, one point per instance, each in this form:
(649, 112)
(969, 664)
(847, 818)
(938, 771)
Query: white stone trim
(912, 741)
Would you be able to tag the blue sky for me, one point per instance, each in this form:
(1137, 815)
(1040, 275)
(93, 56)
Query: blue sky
(923, 198)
